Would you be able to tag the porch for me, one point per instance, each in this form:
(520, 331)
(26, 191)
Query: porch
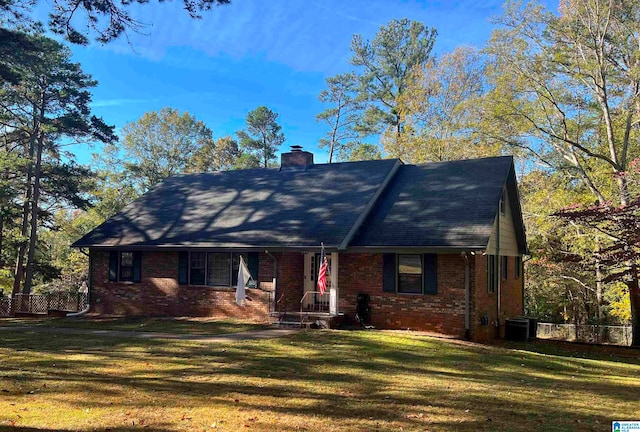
(314, 307)
(299, 301)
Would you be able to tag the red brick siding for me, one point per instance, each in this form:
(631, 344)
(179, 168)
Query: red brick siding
(442, 312)
(290, 282)
(511, 293)
(484, 302)
(159, 294)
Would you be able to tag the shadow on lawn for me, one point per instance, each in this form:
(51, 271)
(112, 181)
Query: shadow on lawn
(17, 428)
(346, 377)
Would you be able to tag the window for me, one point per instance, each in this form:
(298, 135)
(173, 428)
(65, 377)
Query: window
(492, 279)
(126, 266)
(410, 274)
(503, 204)
(214, 268)
(518, 267)
(219, 269)
(197, 268)
(504, 271)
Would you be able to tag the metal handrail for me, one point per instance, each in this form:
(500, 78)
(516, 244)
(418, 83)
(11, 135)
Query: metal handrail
(326, 293)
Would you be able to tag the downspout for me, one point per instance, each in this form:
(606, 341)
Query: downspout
(275, 276)
(467, 305)
(88, 306)
(498, 268)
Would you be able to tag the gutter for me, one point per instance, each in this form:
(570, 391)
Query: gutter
(498, 266)
(372, 202)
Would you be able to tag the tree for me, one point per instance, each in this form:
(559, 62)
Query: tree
(621, 224)
(360, 152)
(567, 91)
(75, 20)
(158, 145)
(385, 66)
(439, 108)
(219, 155)
(565, 88)
(48, 103)
(263, 135)
(343, 114)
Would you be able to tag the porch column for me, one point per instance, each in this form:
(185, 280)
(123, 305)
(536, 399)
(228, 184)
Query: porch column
(333, 290)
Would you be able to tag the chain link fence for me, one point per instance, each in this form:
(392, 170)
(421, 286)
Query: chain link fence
(596, 334)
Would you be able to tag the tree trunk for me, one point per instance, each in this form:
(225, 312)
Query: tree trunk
(634, 297)
(23, 232)
(33, 237)
(599, 284)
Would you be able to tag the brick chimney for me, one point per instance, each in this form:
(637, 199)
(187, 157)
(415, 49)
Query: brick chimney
(296, 158)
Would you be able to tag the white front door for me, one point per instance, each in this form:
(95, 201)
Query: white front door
(310, 275)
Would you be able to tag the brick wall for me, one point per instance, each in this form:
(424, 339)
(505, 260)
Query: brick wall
(159, 294)
(484, 303)
(511, 291)
(442, 312)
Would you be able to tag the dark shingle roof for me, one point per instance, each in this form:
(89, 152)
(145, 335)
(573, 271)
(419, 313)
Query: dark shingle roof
(247, 208)
(435, 205)
(446, 204)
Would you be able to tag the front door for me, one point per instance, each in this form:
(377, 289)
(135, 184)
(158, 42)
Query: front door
(309, 279)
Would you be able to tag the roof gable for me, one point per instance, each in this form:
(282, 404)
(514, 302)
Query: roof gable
(438, 205)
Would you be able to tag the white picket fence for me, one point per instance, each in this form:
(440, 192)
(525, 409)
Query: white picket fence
(597, 334)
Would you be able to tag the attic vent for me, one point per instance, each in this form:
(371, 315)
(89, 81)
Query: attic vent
(296, 158)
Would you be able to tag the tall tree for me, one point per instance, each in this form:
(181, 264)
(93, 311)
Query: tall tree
(49, 104)
(342, 115)
(384, 69)
(439, 108)
(566, 89)
(263, 135)
(219, 155)
(160, 144)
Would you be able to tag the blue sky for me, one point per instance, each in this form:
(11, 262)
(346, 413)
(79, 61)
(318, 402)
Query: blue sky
(252, 53)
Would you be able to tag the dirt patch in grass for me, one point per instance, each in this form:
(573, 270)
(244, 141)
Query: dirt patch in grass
(317, 380)
(186, 325)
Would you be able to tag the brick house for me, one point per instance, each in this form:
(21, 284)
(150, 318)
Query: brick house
(437, 246)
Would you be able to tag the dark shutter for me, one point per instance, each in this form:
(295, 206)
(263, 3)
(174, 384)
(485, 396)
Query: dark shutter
(113, 266)
(253, 264)
(389, 272)
(183, 268)
(137, 266)
(430, 274)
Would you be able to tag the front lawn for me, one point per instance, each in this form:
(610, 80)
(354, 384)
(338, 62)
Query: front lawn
(311, 381)
(187, 325)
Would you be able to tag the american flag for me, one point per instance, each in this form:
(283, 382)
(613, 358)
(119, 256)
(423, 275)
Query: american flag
(322, 273)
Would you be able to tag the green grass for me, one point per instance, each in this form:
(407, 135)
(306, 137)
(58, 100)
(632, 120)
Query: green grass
(193, 326)
(312, 381)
